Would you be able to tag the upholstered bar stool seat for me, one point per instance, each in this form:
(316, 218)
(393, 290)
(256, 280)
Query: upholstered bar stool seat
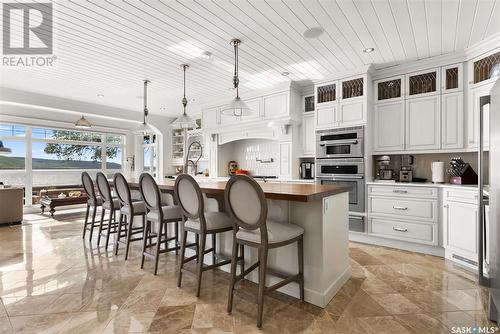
(276, 233)
(214, 220)
(169, 212)
(137, 207)
(109, 206)
(97, 201)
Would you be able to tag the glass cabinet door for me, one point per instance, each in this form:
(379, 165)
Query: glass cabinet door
(326, 93)
(352, 88)
(388, 89)
(423, 83)
(452, 78)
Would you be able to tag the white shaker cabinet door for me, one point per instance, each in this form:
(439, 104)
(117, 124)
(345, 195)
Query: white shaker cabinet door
(452, 127)
(389, 126)
(423, 123)
(461, 228)
(308, 135)
(352, 113)
(326, 116)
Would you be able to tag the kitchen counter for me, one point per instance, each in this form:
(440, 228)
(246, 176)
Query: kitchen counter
(289, 191)
(321, 210)
(422, 184)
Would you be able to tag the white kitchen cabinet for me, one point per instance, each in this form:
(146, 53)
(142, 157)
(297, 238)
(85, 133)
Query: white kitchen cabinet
(473, 117)
(326, 93)
(210, 118)
(326, 117)
(255, 106)
(452, 78)
(452, 126)
(389, 126)
(308, 135)
(423, 83)
(352, 112)
(389, 89)
(276, 105)
(461, 229)
(423, 123)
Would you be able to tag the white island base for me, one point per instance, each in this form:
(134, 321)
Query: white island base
(326, 247)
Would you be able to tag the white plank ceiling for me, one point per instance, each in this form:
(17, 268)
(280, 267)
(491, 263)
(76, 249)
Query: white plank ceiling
(108, 46)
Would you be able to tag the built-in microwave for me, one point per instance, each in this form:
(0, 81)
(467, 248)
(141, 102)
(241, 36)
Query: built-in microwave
(345, 172)
(340, 143)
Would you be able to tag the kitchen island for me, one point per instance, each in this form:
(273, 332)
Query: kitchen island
(322, 210)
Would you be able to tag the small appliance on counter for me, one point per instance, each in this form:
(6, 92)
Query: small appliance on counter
(437, 169)
(384, 168)
(406, 173)
(461, 172)
(306, 169)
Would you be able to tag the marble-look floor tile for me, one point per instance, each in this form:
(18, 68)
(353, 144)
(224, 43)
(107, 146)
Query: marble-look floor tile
(431, 302)
(47, 323)
(172, 319)
(129, 322)
(88, 322)
(395, 303)
(422, 323)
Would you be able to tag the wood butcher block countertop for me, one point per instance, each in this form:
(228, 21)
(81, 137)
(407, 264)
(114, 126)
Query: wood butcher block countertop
(296, 192)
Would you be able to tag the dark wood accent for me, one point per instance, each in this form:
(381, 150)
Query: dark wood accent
(54, 202)
(295, 192)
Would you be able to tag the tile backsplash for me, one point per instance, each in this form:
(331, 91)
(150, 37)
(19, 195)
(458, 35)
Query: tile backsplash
(246, 153)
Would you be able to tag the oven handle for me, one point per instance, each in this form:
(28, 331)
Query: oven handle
(342, 141)
(341, 177)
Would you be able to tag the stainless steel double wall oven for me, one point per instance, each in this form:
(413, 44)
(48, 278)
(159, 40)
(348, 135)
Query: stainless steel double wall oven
(340, 161)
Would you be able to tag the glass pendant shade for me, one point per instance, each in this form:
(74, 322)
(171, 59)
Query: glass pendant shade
(83, 123)
(184, 122)
(237, 107)
(3, 149)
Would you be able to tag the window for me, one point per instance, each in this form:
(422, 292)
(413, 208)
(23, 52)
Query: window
(150, 148)
(56, 158)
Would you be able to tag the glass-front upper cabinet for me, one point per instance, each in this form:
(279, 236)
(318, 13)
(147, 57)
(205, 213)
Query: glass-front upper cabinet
(486, 68)
(326, 93)
(452, 78)
(308, 103)
(423, 83)
(389, 89)
(352, 88)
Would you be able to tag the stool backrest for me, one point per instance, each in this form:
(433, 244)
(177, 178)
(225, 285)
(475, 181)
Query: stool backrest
(88, 186)
(104, 188)
(188, 195)
(246, 203)
(150, 193)
(122, 190)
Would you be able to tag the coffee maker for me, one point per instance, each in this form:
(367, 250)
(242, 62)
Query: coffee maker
(384, 168)
(307, 169)
(406, 173)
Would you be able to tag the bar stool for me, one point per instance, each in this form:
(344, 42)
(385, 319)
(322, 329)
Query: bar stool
(93, 202)
(128, 210)
(108, 203)
(188, 196)
(159, 215)
(247, 206)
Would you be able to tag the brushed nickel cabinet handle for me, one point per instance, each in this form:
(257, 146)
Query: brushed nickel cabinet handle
(395, 207)
(400, 191)
(400, 229)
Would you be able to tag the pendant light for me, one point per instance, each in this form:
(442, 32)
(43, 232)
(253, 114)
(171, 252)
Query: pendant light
(144, 128)
(184, 121)
(237, 107)
(83, 123)
(3, 149)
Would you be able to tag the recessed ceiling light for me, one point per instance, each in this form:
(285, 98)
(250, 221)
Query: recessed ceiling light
(162, 108)
(207, 55)
(285, 73)
(100, 95)
(313, 32)
(368, 50)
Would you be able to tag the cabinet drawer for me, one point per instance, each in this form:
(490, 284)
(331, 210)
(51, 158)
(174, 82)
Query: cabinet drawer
(422, 209)
(416, 232)
(460, 195)
(415, 192)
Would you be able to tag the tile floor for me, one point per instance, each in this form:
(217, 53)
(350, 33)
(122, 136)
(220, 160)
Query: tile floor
(51, 281)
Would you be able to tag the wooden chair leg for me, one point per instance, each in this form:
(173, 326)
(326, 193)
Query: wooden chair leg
(94, 213)
(214, 253)
(100, 227)
(145, 241)
(300, 247)
(158, 245)
(197, 242)
(183, 254)
(112, 214)
(242, 251)
(234, 257)
(129, 225)
(262, 285)
(118, 234)
(176, 238)
(201, 255)
(86, 220)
